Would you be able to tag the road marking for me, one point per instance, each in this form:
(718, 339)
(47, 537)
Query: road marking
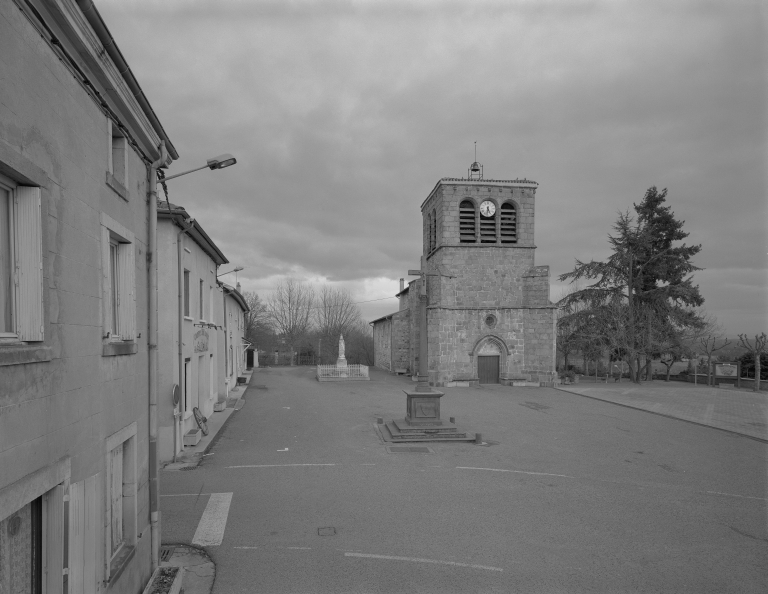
(418, 560)
(515, 471)
(210, 530)
(299, 548)
(275, 465)
(245, 547)
(186, 495)
(739, 496)
(284, 450)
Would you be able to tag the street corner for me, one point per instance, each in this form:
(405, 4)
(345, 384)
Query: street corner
(199, 568)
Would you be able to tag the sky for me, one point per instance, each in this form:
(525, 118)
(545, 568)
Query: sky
(343, 115)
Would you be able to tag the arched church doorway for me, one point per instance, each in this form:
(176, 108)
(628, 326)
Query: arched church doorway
(488, 362)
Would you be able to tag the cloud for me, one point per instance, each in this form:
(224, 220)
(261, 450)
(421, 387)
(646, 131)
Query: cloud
(343, 116)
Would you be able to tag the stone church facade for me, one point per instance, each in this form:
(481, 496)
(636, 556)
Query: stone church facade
(489, 318)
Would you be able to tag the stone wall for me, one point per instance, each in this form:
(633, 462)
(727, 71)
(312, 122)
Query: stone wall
(382, 337)
(540, 355)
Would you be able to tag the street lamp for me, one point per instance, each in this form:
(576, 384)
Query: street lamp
(238, 269)
(219, 162)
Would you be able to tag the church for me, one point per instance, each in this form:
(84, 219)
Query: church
(489, 319)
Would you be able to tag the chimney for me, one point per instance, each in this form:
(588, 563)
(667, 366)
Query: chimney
(402, 284)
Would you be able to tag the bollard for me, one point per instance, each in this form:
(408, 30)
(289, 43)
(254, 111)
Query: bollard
(453, 420)
(478, 438)
(379, 420)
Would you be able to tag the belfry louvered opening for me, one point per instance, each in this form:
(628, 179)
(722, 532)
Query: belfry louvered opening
(508, 226)
(432, 231)
(487, 228)
(467, 229)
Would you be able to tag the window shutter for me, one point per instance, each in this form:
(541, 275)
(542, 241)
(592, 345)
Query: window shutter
(76, 536)
(53, 539)
(127, 308)
(29, 264)
(116, 497)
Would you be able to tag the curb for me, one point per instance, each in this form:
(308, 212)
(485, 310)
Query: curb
(668, 416)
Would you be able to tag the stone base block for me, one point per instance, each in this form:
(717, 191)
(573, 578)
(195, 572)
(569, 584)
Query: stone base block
(219, 406)
(192, 437)
(401, 431)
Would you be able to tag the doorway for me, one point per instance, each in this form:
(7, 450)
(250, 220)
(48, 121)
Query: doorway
(488, 369)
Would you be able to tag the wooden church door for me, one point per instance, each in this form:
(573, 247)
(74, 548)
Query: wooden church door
(488, 369)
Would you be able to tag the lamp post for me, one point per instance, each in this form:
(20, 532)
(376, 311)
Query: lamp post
(238, 269)
(219, 162)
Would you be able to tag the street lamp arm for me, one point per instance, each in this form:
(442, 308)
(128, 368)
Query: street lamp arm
(170, 177)
(219, 162)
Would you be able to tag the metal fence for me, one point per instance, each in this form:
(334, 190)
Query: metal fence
(331, 373)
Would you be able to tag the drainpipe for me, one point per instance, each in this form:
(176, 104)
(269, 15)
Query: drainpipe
(154, 499)
(182, 387)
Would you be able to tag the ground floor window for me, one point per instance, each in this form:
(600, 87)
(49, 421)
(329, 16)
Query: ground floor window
(21, 550)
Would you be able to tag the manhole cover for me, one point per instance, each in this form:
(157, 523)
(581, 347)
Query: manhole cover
(166, 553)
(409, 450)
(327, 531)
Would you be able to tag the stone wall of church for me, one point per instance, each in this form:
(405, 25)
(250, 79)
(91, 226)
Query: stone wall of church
(482, 276)
(455, 335)
(382, 352)
(540, 326)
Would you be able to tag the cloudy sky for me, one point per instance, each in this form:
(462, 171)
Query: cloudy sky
(344, 114)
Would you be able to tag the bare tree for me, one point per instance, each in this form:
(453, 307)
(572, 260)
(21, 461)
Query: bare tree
(757, 348)
(290, 309)
(335, 313)
(256, 320)
(707, 340)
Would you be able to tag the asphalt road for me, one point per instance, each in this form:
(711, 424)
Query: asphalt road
(572, 495)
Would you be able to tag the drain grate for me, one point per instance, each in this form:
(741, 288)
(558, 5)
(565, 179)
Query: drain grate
(166, 553)
(409, 450)
(188, 468)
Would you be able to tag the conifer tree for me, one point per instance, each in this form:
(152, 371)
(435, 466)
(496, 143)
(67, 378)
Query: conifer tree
(644, 290)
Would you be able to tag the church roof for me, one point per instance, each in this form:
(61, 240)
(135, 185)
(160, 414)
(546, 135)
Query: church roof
(522, 183)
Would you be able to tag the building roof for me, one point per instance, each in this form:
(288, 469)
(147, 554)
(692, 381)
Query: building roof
(447, 181)
(236, 295)
(108, 42)
(386, 317)
(179, 215)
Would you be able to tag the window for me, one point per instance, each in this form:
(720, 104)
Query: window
(211, 301)
(508, 224)
(467, 224)
(432, 230)
(202, 309)
(21, 550)
(186, 293)
(117, 167)
(119, 285)
(21, 262)
(187, 387)
(121, 497)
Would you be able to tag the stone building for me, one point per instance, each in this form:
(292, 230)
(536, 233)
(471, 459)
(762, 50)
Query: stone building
(488, 310)
(77, 142)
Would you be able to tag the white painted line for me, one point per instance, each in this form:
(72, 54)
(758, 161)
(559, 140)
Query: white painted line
(275, 465)
(210, 530)
(515, 471)
(299, 548)
(739, 496)
(417, 560)
(245, 547)
(186, 495)
(285, 450)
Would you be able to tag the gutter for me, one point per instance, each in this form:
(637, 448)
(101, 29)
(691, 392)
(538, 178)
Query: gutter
(105, 37)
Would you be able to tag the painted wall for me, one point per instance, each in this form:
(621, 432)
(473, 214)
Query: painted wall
(63, 398)
(199, 380)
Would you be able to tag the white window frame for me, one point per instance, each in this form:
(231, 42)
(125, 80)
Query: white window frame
(118, 155)
(27, 262)
(113, 234)
(201, 297)
(124, 439)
